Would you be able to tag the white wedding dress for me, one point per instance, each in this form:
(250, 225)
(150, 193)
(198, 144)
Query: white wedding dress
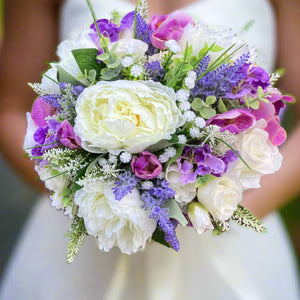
(241, 264)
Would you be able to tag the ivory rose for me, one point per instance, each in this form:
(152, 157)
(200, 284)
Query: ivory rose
(221, 196)
(125, 115)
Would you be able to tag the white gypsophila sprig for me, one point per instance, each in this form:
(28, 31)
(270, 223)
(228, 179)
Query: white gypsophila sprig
(182, 139)
(113, 159)
(125, 157)
(200, 122)
(184, 105)
(189, 116)
(274, 78)
(147, 185)
(93, 175)
(136, 70)
(195, 132)
(173, 46)
(127, 61)
(167, 154)
(67, 161)
(212, 136)
(182, 95)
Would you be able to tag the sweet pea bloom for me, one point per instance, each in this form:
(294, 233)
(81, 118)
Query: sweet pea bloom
(107, 29)
(41, 110)
(125, 115)
(235, 121)
(168, 27)
(67, 136)
(146, 166)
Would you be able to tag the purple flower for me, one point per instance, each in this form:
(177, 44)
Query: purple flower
(67, 136)
(257, 76)
(107, 29)
(41, 110)
(168, 27)
(146, 166)
(125, 184)
(235, 121)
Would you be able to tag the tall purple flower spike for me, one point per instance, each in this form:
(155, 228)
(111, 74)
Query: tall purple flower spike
(235, 121)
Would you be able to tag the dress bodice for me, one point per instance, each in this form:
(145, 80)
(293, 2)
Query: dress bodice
(235, 14)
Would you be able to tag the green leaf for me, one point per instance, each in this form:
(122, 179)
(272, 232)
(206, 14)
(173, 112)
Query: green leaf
(64, 76)
(203, 51)
(110, 74)
(221, 106)
(197, 104)
(204, 179)
(175, 212)
(187, 52)
(159, 237)
(207, 112)
(253, 103)
(187, 68)
(216, 48)
(245, 218)
(86, 59)
(260, 92)
(79, 176)
(210, 100)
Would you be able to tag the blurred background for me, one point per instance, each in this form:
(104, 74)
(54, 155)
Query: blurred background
(17, 200)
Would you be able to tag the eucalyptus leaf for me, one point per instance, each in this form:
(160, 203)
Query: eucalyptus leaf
(110, 74)
(175, 212)
(210, 100)
(197, 104)
(207, 112)
(204, 179)
(221, 106)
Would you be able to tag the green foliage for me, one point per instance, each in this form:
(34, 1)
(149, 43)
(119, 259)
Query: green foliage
(245, 218)
(204, 107)
(221, 106)
(64, 76)
(175, 212)
(77, 234)
(178, 153)
(159, 237)
(86, 60)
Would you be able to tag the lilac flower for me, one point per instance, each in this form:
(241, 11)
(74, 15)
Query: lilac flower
(223, 80)
(257, 76)
(154, 200)
(107, 29)
(154, 70)
(200, 161)
(127, 181)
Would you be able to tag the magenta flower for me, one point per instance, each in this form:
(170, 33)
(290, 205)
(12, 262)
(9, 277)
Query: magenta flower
(146, 166)
(67, 136)
(277, 134)
(235, 121)
(41, 110)
(168, 27)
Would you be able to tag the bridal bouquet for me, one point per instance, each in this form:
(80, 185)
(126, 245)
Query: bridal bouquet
(148, 124)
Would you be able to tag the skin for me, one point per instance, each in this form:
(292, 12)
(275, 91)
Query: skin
(31, 38)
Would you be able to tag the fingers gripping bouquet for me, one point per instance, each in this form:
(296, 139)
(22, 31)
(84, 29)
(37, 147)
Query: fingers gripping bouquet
(149, 124)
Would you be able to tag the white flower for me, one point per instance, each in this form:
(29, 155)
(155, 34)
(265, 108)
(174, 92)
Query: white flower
(259, 153)
(56, 184)
(170, 152)
(113, 159)
(199, 217)
(173, 46)
(163, 158)
(102, 162)
(125, 115)
(185, 193)
(147, 185)
(189, 116)
(50, 86)
(182, 95)
(195, 132)
(29, 141)
(116, 223)
(133, 47)
(189, 82)
(125, 157)
(192, 75)
(182, 139)
(185, 105)
(200, 122)
(221, 196)
(136, 70)
(127, 61)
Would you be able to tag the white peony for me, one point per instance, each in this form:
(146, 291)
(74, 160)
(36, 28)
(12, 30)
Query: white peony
(56, 184)
(125, 115)
(185, 193)
(199, 217)
(133, 47)
(116, 223)
(221, 196)
(48, 83)
(259, 153)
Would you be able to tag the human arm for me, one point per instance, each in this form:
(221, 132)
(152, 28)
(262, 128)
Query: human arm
(29, 39)
(277, 189)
